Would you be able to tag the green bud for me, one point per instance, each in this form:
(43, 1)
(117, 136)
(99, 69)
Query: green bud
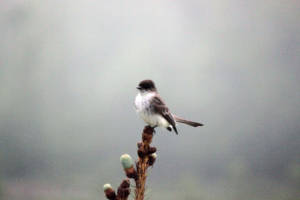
(126, 161)
(107, 186)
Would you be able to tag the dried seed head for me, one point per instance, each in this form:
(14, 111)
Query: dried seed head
(124, 189)
(125, 183)
(139, 144)
(152, 150)
(147, 138)
(141, 153)
(123, 193)
(131, 172)
(152, 159)
(154, 155)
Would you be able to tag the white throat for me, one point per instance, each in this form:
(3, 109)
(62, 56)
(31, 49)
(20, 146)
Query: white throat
(142, 100)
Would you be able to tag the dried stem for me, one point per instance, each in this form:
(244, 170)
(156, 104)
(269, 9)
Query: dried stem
(144, 152)
(142, 176)
(147, 157)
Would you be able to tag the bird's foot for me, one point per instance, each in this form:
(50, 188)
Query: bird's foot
(154, 129)
(149, 129)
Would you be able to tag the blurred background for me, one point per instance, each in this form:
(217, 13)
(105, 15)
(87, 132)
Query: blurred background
(68, 77)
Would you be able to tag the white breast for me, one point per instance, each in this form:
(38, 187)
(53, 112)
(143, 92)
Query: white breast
(142, 101)
(142, 105)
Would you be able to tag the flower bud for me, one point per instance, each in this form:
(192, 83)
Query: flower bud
(154, 155)
(128, 166)
(152, 150)
(106, 186)
(124, 189)
(109, 192)
(152, 159)
(139, 144)
(126, 161)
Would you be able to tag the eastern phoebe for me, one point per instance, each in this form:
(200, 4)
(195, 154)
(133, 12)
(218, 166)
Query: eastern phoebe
(153, 110)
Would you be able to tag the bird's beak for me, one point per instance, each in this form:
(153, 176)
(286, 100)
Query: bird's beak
(138, 87)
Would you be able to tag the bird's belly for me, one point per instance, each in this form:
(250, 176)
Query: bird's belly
(142, 107)
(153, 119)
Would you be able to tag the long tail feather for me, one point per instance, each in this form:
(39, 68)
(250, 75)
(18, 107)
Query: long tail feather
(191, 123)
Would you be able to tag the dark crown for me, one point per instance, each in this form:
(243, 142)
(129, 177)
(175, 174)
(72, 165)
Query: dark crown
(146, 85)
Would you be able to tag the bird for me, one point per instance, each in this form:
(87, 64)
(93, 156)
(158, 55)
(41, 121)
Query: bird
(153, 110)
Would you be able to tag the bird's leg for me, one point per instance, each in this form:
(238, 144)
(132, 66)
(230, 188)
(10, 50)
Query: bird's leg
(154, 129)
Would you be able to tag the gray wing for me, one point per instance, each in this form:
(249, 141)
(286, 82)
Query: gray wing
(159, 106)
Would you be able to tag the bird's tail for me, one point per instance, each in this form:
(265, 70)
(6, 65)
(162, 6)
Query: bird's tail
(180, 120)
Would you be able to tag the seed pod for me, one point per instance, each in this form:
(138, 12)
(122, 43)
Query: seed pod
(126, 161)
(124, 189)
(128, 166)
(152, 150)
(152, 159)
(109, 192)
(141, 153)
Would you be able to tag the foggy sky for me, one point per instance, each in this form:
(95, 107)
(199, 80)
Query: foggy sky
(67, 84)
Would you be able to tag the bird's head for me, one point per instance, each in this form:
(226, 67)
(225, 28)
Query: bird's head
(146, 86)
